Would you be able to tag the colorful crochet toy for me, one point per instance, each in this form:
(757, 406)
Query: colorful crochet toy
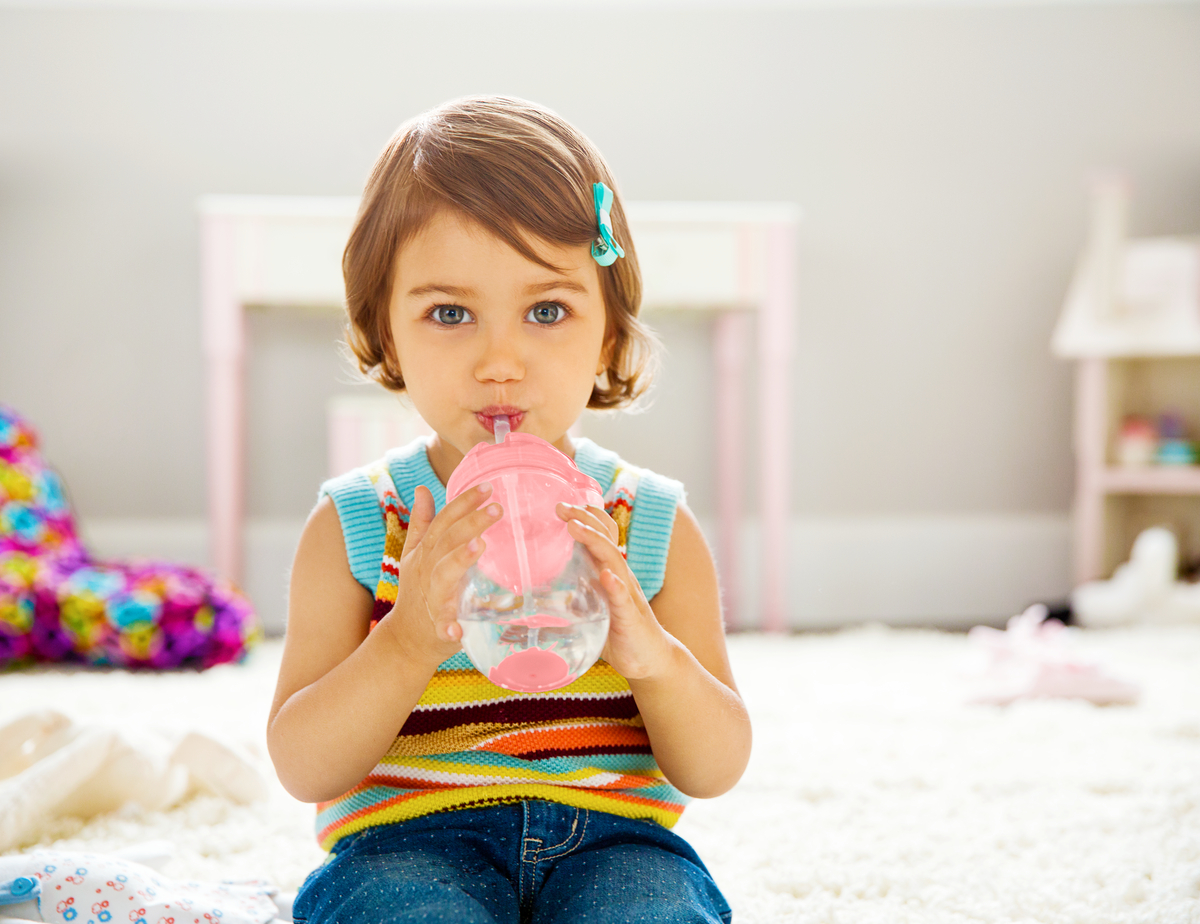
(59, 604)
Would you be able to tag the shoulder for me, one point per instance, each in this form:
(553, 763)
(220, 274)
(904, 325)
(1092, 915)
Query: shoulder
(322, 535)
(322, 565)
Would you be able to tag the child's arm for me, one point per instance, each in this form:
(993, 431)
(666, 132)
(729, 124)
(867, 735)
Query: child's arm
(344, 694)
(673, 655)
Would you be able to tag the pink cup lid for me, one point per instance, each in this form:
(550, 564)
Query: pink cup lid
(530, 544)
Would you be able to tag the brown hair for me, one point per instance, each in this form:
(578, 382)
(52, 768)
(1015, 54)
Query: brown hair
(515, 168)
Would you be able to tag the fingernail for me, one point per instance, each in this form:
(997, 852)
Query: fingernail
(485, 487)
(473, 545)
(493, 510)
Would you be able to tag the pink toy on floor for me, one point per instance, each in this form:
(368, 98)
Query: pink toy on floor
(1033, 659)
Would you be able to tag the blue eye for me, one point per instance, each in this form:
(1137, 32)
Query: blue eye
(547, 313)
(450, 315)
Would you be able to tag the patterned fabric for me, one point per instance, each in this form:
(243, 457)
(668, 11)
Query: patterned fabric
(469, 743)
(87, 888)
(59, 604)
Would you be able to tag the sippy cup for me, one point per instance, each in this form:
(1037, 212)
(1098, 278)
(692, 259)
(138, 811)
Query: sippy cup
(532, 612)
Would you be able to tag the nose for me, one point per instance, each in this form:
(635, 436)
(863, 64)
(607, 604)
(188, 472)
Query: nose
(500, 358)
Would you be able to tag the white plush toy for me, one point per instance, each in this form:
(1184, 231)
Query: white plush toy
(52, 766)
(1144, 589)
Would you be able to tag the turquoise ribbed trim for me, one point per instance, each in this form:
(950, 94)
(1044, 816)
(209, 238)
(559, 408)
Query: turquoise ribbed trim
(596, 462)
(363, 529)
(654, 506)
(410, 467)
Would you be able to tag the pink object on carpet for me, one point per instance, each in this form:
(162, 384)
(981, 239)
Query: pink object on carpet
(1033, 659)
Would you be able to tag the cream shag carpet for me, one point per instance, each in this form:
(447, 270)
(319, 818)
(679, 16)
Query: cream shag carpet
(875, 793)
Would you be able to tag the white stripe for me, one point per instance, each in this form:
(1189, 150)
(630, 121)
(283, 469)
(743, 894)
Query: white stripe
(598, 779)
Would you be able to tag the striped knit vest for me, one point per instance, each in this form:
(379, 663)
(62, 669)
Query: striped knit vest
(471, 744)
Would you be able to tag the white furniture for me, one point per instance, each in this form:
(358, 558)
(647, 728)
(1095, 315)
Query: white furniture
(1132, 323)
(722, 259)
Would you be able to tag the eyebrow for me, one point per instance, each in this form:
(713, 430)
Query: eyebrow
(569, 285)
(562, 283)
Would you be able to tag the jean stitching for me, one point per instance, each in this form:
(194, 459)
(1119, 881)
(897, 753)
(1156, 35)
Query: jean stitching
(530, 848)
(546, 853)
(525, 867)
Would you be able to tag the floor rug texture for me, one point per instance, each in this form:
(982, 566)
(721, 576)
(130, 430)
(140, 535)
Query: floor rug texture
(876, 793)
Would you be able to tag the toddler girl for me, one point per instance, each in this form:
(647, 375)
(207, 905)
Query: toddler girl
(490, 272)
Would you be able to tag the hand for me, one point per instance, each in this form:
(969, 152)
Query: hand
(437, 553)
(637, 646)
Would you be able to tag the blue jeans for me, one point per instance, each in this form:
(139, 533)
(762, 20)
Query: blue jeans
(530, 863)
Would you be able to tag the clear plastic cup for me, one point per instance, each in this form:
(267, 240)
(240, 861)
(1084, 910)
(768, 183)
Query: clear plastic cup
(532, 611)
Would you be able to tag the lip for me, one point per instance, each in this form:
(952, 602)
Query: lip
(487, 416)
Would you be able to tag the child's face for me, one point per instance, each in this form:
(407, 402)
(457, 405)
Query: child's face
(479, 330)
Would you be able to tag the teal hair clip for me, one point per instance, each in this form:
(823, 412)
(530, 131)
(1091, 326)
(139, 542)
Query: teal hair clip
(604, 249)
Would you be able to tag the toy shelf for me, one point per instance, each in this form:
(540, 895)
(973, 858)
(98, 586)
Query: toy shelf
(1113, 503)
(1131, 322)
(1183, 479)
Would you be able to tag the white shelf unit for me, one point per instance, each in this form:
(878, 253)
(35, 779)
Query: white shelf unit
(1131, 322)
(1113, 503)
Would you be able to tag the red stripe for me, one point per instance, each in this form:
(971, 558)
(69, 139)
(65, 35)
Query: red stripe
(519, 711)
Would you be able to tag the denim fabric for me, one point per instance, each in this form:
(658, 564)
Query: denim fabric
(530, 863)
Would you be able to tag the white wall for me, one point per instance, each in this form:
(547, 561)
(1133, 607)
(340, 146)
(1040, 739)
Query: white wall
(939, 153)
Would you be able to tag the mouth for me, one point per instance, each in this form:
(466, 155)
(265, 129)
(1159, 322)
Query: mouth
(487, 417)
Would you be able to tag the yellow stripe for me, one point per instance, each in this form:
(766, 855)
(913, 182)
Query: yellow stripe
(464, 686)
(444, 800)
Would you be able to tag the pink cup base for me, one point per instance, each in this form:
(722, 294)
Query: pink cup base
(533, 670)
(541, 621)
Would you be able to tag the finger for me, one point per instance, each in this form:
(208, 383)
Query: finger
(622, 605)
(594, 517)
(619, 596)
(601, 547)
(445, 580)
(463, 505)
(469, 527)
(609, 524)
(419, 518)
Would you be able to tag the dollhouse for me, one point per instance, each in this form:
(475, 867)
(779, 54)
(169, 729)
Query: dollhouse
(1131, 324)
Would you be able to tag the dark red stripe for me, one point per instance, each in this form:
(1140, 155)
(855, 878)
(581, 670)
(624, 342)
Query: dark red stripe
(518, 711)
